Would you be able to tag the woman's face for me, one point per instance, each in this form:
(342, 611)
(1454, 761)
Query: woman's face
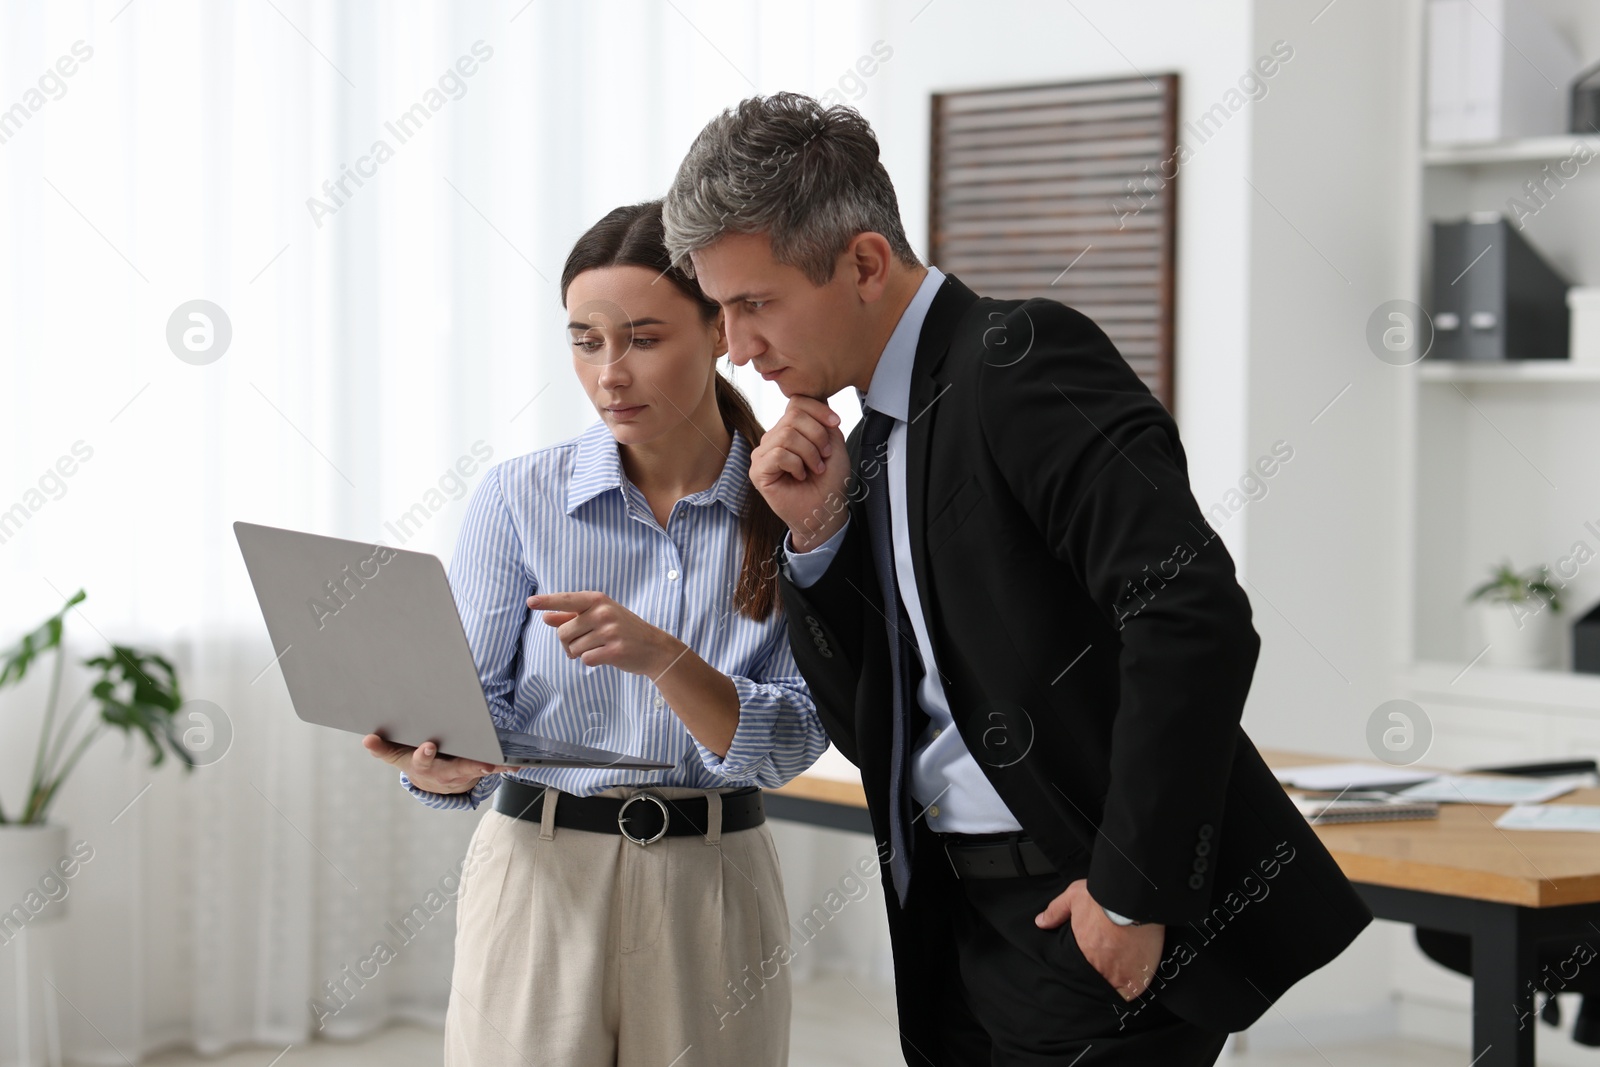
(643, 350)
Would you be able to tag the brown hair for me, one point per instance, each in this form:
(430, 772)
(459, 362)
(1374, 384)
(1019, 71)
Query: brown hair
(631, 236)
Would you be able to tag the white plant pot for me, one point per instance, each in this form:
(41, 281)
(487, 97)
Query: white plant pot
(31, 884)
(1519, 634)
(33, 896)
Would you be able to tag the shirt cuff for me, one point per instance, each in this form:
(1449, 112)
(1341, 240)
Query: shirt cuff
(1120, 920)
(453, 801)
(804, 568)
(735, 765)
(771, 735)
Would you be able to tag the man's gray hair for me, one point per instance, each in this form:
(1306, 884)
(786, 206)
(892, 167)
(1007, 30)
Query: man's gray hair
(807, 176)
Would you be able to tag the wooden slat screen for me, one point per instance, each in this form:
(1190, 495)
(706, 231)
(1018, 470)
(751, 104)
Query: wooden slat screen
(1031, 196)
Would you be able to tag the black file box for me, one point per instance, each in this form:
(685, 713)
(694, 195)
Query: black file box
(1494, 296)
(1586, 642)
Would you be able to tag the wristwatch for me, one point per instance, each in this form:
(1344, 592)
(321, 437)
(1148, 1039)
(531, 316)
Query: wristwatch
(1121, 920)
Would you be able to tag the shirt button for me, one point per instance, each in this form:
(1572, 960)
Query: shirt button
(659, 701)
(673, 574)
(934, 811)
(937, 730)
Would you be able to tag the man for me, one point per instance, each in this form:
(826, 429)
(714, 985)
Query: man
(1014, 620)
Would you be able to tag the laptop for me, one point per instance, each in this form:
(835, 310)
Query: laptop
(369, 641)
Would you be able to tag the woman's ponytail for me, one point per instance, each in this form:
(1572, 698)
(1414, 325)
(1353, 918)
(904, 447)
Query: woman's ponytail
(756, 594)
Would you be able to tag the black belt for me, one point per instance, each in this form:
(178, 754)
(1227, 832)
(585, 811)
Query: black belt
(1012, 855)
(642, 818)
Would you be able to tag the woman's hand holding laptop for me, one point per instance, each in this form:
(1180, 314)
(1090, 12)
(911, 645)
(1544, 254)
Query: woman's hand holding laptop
(429, 770)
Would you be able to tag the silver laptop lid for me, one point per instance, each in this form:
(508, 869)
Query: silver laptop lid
(369, 640)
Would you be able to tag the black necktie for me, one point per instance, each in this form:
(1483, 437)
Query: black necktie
(904, 658)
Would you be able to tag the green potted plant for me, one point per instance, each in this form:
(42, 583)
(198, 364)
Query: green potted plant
(132, 690)
(1516, 614)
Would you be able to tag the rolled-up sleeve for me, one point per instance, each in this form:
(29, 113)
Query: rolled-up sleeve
(779, 733)
(491, 583)
(448, 801)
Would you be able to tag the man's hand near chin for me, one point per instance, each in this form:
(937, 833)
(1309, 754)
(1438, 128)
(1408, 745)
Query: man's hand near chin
(1125, 956)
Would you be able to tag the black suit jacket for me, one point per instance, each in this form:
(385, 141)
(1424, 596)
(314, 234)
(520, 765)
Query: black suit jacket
(1095, 648)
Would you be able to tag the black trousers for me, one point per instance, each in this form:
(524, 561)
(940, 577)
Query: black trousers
(979, 985)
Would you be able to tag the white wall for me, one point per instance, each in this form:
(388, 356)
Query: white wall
(1330, 194)
(1330, 199)
(942, 46)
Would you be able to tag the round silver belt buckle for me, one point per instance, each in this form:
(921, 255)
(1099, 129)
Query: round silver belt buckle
(622, 818)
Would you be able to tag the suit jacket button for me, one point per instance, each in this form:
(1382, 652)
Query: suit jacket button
(1199, 864)
(1202, 848)
(1205, 831)
(1196, 881)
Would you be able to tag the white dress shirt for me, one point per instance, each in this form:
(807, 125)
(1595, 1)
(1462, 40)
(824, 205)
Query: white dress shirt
(945, 779)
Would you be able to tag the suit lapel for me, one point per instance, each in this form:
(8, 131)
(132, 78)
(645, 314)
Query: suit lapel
(949, 305)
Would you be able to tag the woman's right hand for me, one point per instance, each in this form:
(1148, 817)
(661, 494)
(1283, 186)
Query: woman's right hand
(429, 770)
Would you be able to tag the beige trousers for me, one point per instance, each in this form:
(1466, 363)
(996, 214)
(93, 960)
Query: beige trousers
(576, 948)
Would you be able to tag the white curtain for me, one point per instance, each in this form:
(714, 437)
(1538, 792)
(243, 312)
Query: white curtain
(382, 325)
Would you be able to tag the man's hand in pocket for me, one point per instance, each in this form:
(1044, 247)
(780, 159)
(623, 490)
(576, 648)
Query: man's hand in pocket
(1125, 956)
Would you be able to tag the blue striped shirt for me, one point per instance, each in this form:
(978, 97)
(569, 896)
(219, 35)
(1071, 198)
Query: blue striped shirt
(565, 519)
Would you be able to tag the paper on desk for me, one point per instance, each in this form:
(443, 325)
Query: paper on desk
(1337, 776)
(1479, 789)
(1584, 817)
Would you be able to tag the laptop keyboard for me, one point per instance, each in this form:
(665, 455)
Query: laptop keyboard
(523, 751)
(521, 746)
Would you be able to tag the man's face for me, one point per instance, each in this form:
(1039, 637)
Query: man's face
(807, 338)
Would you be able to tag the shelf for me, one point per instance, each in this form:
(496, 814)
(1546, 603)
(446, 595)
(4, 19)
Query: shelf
(1510, 372)
(1532, 149)
(1505, 687)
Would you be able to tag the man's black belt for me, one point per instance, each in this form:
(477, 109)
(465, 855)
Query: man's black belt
(1012, 855)
(643, 818)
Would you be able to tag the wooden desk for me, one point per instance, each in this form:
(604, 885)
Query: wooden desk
(1506, 890)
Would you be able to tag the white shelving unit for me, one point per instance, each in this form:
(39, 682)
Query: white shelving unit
(1533, 371)
(1504, 688)
(1533, 149)
(1501, 460)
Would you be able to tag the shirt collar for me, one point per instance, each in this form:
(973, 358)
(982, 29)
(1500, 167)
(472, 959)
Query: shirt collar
(890, 388)
(598, 467)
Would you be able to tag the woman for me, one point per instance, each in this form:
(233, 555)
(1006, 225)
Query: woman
(646, 558)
